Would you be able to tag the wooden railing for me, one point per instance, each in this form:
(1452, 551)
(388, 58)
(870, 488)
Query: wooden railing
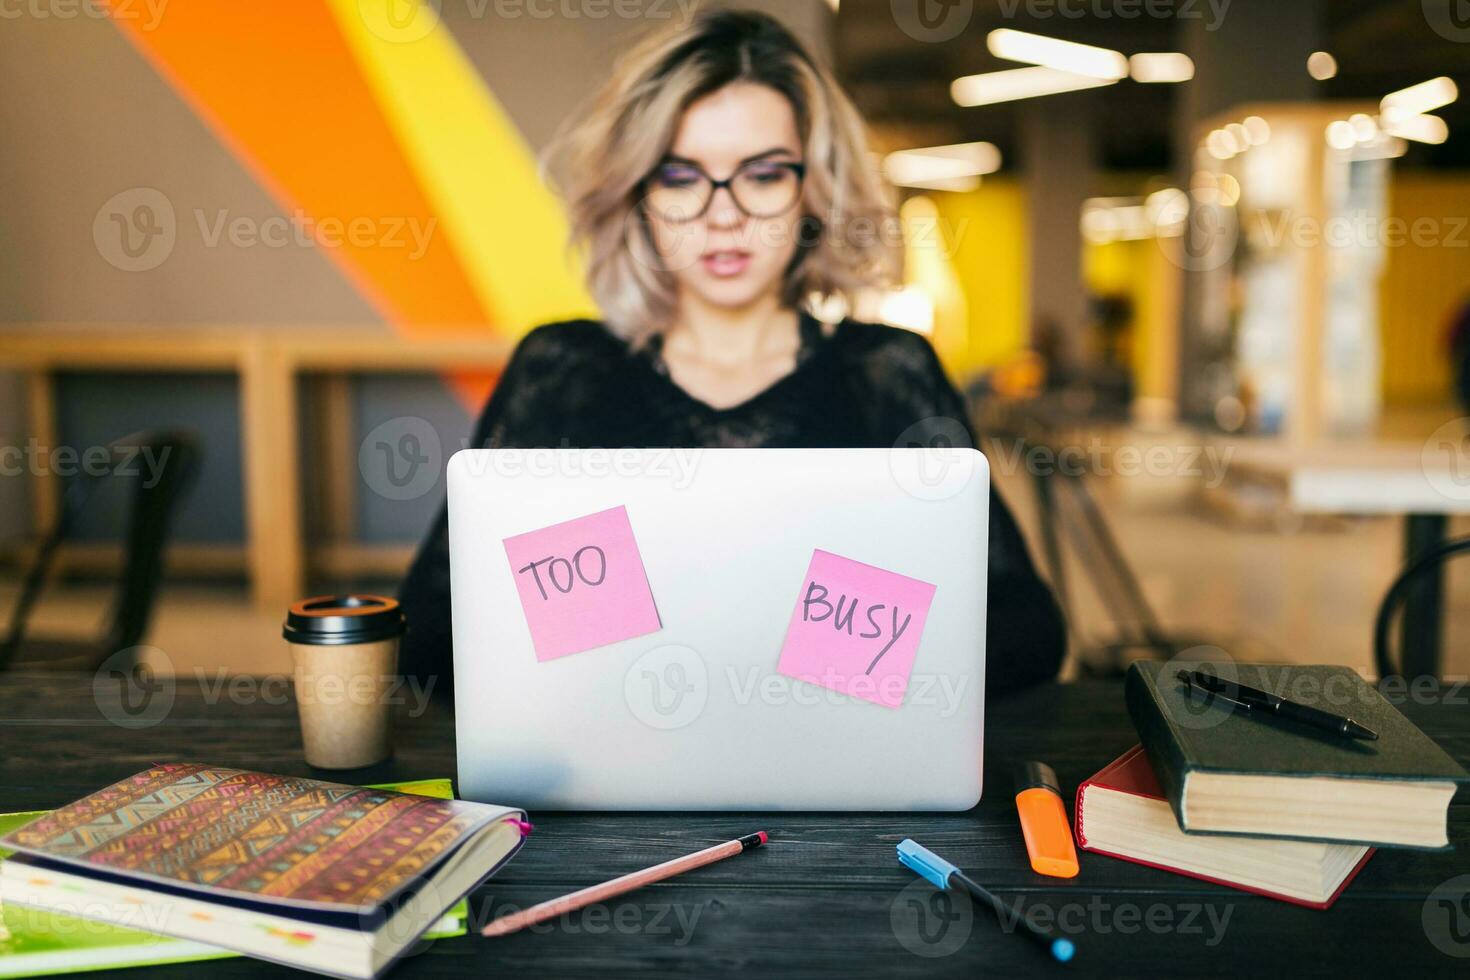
(268, 361)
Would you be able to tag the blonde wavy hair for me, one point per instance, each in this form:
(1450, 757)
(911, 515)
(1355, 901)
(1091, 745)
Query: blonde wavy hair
(599, 162)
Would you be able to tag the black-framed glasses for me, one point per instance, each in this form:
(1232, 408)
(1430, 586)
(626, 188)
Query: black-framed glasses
(677, 191)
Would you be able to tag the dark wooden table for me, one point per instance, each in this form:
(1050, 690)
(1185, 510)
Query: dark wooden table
(826, 897)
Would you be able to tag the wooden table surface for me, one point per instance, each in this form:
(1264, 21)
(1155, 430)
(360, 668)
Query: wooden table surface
(826, 897)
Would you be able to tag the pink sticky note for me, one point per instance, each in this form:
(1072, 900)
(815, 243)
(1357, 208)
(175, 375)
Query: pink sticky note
(582, 584)
(856, 629)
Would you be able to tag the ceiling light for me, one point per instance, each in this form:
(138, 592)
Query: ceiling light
(1340, 135)
(1018, 83)
(1229, 190)
(1321, 65)
(1220, 144)
(1161, 66)
(953, 167)
(1364, 127)
(1421, 129)
(1167, 210)
(1105, 219)
(1051, 52)
(1421, 98)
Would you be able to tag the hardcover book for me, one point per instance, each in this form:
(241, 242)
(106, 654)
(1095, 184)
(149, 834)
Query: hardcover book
(1231, 770)
(1121, 812)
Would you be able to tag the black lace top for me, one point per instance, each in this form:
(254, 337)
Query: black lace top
(575, 384)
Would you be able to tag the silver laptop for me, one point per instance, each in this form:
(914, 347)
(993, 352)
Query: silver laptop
(808, 633)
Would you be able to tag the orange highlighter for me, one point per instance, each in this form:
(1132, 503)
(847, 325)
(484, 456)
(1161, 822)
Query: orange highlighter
(1044, 821)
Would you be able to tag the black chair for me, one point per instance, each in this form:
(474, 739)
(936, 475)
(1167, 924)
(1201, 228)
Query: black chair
(1414, 576)
(155, 499)
(1139, 632)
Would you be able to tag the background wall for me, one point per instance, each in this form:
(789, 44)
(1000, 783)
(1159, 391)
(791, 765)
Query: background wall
(1425, 284)
(86, 117)
(988, 231)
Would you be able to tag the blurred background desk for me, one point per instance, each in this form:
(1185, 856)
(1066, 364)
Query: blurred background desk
(1376, 477)
(269, 363)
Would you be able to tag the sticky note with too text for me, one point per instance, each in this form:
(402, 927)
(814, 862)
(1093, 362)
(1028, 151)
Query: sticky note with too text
(582, 584)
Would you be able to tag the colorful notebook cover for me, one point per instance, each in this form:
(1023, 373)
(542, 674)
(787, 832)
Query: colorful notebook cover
(35, 943)
(284, 840)
(1131, 773)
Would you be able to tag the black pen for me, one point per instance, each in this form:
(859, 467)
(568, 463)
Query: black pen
(1257, 700)
(941, 874)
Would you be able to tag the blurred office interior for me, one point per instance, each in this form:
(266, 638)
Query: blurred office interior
(1204, 274)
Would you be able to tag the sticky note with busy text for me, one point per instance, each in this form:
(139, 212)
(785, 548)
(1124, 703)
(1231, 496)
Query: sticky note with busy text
(856, 629)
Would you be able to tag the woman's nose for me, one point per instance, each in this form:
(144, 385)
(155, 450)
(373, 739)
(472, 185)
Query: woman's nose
(723, 211)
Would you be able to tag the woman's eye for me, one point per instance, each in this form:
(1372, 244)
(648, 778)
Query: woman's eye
(765, 175)
(677, 177)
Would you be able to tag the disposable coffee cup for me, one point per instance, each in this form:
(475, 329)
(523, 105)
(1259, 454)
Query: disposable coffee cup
(345, 652)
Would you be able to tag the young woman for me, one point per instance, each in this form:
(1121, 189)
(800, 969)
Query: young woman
(718, 186)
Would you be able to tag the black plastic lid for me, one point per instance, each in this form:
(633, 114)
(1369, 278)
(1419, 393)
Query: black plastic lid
(330, 620)
(1031, 774)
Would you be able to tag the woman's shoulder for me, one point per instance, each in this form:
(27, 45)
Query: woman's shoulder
(568, 338)
(884, 347)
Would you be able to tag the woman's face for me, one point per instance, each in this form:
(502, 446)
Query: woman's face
(727, 257)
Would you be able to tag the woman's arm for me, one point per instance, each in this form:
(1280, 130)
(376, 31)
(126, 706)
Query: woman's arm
(520, 409)
(1025, 636)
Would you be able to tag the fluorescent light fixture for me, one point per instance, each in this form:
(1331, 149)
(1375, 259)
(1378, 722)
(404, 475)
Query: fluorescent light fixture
(956, 184)
(956, 166)
(1321, 65)
(1220, 144)
(1389, 148)
(1161, 66)
(1052, 52)
(1167, 210)
(1108, 219)
(1228, 189)
(1340, 135)
(1421, 98)
(1018, 83)
(1419, 128)
(1364, 126)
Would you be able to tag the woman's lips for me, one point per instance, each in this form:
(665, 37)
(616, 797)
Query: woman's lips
(726, 263)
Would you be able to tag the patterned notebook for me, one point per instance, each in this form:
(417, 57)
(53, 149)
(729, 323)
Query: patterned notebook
(277, 839)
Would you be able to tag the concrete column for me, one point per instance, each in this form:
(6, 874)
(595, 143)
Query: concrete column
(1058, 159)
(1256, 52)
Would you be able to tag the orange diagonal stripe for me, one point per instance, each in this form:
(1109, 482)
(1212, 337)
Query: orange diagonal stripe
(275, 81)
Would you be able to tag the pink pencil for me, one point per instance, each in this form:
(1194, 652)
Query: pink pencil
(611, 889)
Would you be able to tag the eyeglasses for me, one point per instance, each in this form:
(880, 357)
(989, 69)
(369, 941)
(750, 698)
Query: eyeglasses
(679, 192)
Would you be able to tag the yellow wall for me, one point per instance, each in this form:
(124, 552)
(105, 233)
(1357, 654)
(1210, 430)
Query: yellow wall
(1141, 271)
(987, 232)
(1119, 269)
(1423, 285)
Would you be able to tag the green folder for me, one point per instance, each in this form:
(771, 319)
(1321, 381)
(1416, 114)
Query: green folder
(35, 942)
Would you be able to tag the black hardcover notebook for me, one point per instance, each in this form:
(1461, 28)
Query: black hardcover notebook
(1228, 770)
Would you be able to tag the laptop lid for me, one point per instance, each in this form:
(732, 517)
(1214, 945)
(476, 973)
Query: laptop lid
(809, 633)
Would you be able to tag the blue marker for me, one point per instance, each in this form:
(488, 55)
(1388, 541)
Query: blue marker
(941, 874)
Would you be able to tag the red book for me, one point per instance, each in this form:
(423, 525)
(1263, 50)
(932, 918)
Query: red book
(1122, 812)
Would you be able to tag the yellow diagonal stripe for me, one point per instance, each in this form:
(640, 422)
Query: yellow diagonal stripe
(508, 228)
